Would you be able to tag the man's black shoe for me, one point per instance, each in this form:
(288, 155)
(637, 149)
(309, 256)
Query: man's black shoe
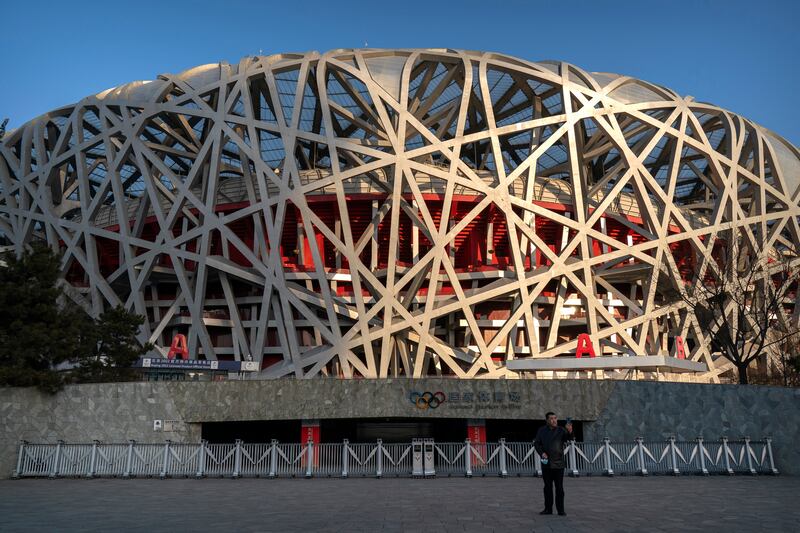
(562, 513)
(546, 512)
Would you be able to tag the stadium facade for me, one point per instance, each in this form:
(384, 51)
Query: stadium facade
(400, 213)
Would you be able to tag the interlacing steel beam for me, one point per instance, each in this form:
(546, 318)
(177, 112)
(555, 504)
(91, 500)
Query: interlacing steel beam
(379, 213)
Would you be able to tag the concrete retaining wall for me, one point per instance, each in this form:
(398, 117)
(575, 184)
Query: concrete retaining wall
(623, 410)
(658, 410)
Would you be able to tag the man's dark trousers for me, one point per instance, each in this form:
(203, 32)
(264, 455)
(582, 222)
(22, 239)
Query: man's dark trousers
(553, 476)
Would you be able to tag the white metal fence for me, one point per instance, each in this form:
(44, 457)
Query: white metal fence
(420, 458)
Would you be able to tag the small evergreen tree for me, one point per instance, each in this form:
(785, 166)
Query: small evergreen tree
(46, 339)
(37, 333)
(116, 350)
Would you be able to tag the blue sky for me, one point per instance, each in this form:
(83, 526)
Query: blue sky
(737, 54)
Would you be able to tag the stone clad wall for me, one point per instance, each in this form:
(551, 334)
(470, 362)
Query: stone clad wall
(109, 412)
(656, 411)
(623, 410)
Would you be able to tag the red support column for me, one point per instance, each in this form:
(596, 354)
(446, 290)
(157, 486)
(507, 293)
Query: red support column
(310, 431)
(476, 433)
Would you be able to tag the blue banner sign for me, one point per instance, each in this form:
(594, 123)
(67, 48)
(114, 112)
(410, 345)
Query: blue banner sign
(196, 364)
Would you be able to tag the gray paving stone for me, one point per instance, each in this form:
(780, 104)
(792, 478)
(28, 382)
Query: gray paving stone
(394, 505)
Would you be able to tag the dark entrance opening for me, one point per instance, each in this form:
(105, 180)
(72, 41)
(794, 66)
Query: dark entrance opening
(522, 430)
(371, 429)
(393, 429)
(252, 431)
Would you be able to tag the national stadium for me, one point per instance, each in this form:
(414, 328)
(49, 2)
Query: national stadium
(402, 213)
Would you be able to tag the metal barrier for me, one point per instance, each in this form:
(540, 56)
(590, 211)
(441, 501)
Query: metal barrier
(420, 458)
(398, 460)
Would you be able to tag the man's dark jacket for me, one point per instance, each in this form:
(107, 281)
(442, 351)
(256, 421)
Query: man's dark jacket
(552, 441)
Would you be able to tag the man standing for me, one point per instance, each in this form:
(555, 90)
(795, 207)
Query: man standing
(550, 443)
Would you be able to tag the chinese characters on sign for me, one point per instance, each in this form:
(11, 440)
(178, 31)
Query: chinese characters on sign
(465, 400)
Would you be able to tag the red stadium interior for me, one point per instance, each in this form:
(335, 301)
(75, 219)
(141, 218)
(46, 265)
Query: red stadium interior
(472, 252)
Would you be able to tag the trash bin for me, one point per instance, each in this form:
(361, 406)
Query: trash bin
(417, 469)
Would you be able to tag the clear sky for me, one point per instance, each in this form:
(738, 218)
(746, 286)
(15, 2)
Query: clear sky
(740, 55)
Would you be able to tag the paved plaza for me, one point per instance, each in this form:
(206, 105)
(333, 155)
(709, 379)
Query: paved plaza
(445, 504)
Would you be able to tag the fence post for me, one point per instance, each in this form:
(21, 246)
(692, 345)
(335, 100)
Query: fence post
(607, 455)
(726, 452)
(640, 454)
(749, 452)
(701, 450)
(273, 459)
(503, 470)
(128, 466)
(379, 459)
(57, 460)
(467, 458)
(674, 456)
(772, 468)
(18, 472)
(573, 459)
(165, 468)
(237, 459)
(309, 457)
(201, 459)
(92, 466)
(345, 456)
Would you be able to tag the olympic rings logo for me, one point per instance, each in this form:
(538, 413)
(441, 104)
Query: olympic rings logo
(427, 399)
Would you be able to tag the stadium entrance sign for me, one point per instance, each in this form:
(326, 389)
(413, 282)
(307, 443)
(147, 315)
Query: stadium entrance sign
(462, 399)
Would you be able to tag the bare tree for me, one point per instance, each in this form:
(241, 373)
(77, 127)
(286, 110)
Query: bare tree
(786, 370)
(744, 304)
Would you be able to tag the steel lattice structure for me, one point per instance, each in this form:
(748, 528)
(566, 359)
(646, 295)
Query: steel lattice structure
(385, 213)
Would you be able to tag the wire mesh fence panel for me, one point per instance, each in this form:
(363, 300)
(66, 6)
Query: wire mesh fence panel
(147, 459)
(111, 460)
(38, 460)
(449, 458)
(623, 457)
(521, 459)
(183, 460)
(589, 458)
(75, 460)
(362, 460)
(291, 459)
(397, 460)
(220, 460)
(328, 459)
(255, 460)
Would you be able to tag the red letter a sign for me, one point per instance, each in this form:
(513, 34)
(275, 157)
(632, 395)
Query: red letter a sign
(178, 347)
(584, 346)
